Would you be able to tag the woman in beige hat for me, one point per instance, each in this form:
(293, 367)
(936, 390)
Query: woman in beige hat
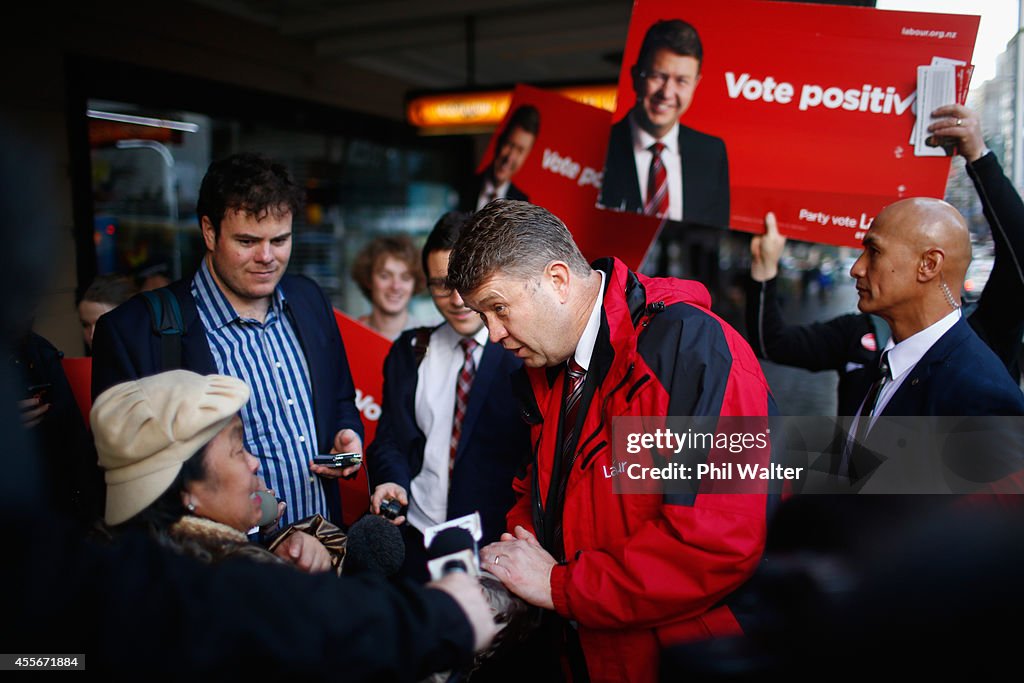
(177, 467)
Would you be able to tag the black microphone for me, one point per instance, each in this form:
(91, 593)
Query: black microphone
(374, 546)
(452, 550)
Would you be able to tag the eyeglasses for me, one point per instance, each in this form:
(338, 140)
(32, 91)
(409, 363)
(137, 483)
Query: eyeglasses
(438, 287)
(659, 79)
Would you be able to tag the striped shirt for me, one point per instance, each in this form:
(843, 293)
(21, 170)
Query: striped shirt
(278, 419)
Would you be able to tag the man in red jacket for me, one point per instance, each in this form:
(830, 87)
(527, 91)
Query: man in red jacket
(625, 574)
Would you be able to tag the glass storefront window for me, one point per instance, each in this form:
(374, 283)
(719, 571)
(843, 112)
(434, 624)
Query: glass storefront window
(147, 165)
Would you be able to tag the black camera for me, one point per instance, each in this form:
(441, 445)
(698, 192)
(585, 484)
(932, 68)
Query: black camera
(390, 508)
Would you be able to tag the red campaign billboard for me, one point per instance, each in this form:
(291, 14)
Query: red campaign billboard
(365, 350)
(814, 105)
(562, 173)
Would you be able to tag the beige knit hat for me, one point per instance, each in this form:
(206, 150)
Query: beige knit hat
(145, 429)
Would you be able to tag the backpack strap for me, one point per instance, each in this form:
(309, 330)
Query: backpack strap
(165, 316)
(420, 342)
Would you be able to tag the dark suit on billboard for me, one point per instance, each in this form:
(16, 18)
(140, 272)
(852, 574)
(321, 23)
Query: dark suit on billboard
(705, 168)
(472, 194)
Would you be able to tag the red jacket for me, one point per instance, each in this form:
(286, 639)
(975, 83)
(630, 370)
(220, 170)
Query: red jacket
(646, 570)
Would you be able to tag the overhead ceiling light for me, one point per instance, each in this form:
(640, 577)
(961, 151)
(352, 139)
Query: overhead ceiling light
(143, 120)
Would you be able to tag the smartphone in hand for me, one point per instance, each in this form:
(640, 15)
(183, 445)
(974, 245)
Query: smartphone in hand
(341, 460)
(38, 391)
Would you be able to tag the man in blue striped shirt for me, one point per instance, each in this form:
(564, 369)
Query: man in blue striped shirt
(244, 317)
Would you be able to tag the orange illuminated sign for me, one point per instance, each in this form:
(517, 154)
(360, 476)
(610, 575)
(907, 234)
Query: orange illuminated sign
(486, 109)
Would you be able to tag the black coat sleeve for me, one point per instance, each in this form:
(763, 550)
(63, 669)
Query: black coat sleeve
(817, 346)
(189, 618)
(999, 316)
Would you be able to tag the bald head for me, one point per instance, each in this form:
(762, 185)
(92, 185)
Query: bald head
(926, 224)
(914, 263)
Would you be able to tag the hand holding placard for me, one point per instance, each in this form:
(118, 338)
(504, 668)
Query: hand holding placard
(766, 250)
(961, 127)
(938, 84)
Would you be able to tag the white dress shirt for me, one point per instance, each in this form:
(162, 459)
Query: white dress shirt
(670, 157)
(585, 346)
(437, 377)
(905, 355)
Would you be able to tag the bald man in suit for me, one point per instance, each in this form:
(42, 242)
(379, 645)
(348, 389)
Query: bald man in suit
(911, 273)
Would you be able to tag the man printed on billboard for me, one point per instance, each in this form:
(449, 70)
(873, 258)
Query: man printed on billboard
(510, 153)
(655, 165)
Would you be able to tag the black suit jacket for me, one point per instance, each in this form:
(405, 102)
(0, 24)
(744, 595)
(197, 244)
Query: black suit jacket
(941, 412)
(959, 377)
(472, 193)
(493, 444)
(705, 175)
(125, 347)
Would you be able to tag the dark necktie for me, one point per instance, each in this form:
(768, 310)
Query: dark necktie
(657, 183)
(464, 382)
(867, 411)
(575, 377)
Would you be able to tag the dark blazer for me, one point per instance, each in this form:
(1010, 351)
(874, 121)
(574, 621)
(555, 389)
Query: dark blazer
(705, 176)
(125, 347)
(472, 193)
(493, 445)
(959, 375)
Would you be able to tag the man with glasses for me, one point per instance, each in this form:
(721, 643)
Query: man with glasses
(655, 165)
(450, 437)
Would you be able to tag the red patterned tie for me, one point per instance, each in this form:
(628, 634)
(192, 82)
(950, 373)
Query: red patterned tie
(465, 381)
(657, 183)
